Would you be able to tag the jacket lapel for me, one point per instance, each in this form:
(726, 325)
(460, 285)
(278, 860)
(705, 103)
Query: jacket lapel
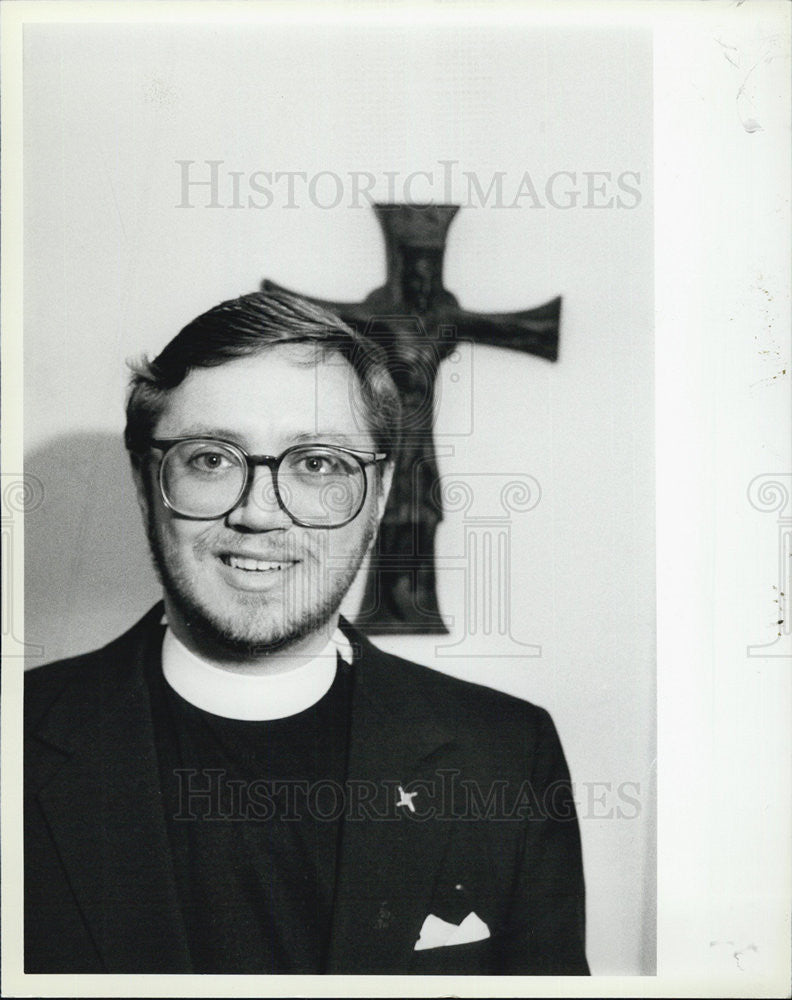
(117, 856)
(389, 856)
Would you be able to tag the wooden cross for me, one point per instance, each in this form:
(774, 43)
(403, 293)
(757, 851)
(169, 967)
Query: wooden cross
(419, 323)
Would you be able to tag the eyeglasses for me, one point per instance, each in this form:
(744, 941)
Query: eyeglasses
(317, 485)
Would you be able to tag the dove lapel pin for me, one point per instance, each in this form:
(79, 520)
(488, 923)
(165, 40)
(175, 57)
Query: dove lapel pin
(406, 799)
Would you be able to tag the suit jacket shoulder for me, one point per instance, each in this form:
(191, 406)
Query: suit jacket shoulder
(81, 679)
(497, 733)
(449, 694)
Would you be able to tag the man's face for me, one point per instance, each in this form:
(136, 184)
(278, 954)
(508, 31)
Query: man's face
(252, 581)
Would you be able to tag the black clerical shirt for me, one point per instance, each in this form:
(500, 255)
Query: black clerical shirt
(253, 812)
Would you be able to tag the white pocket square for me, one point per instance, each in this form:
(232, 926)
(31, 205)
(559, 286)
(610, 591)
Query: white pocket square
(437, 933)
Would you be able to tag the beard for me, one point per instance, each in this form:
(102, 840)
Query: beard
(240, 626)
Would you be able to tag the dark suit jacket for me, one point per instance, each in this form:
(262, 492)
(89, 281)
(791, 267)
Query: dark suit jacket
(100, 892)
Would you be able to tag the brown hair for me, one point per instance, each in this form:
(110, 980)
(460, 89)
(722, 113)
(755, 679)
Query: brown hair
(245, 326)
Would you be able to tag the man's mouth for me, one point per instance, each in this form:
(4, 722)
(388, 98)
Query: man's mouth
(252, 565)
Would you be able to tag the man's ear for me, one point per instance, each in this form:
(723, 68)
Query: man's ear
(386, 479)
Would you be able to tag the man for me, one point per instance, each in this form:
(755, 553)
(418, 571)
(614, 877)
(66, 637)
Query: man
(242, 783)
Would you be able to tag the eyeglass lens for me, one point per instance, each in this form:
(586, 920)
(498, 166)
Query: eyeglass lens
(318, 486)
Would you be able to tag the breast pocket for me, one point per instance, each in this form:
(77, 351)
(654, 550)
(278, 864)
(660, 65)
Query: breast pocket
(474, 959)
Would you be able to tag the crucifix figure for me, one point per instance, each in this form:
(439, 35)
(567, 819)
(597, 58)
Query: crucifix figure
(419, 323)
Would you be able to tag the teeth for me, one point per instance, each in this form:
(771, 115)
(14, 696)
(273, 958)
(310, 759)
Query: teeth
(257, 565)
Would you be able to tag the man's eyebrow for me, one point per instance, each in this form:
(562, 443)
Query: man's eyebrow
(327, 436)
(205, 431)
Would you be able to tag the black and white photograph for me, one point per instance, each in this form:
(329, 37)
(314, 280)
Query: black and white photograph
(368, 468)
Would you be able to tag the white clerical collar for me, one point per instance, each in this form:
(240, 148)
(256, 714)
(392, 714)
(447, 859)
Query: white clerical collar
(251, 697)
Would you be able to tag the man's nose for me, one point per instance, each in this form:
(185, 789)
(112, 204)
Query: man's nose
(259, 509)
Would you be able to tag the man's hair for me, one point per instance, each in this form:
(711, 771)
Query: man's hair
(247, 326)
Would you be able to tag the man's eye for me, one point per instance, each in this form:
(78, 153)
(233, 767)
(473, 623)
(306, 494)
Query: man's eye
(209, 461)
(319, 464)
(316, 463)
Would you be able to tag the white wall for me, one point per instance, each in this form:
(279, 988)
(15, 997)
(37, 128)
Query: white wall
(113, 267)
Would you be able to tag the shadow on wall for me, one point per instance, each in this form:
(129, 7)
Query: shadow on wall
(88, 575)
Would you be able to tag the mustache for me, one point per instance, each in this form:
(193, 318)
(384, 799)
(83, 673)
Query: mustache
(274, 557)
(257, 547)
(268, 553)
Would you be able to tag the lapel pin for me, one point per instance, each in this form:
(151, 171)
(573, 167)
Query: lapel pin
(406, 799)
